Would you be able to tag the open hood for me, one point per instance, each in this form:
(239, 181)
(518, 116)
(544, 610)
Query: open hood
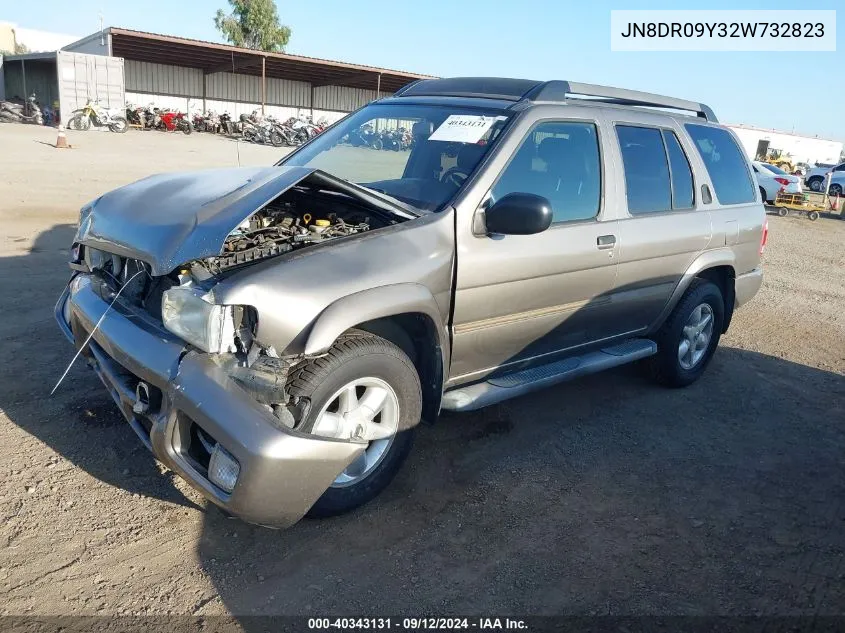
(169, 219)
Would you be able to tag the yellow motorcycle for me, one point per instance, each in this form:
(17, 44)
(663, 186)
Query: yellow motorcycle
(94, 114)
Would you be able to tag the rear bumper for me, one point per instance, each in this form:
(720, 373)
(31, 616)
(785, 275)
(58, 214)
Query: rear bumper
(282, 472)
(747, 285)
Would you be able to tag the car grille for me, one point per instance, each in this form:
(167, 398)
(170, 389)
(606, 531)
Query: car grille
(139, 287)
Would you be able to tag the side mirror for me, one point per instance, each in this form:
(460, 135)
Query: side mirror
(519, 214)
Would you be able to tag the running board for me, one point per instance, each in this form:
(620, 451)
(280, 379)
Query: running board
(507, 386)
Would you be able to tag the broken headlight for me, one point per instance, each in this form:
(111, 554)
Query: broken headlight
(187, 313)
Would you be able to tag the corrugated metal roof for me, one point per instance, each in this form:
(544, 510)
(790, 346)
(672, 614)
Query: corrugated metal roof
(29, 56)
(212, 57)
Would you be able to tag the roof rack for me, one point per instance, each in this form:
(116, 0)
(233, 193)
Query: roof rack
(556, 91)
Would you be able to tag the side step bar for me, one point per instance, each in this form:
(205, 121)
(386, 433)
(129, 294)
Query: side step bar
(507, 386)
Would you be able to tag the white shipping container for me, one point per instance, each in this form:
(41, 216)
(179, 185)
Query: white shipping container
(82, 77)
(800, 149)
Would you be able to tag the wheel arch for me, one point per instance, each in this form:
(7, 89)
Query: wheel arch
(406, 315)
(717, 266)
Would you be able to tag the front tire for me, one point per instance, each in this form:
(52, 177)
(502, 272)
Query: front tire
(119, 125)
(364, 387)
(689, 337)
(835, 190)
(815, 184)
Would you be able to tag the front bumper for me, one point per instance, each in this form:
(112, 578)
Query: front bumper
(282, 472)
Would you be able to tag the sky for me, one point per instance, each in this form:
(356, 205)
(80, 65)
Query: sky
(535, 39)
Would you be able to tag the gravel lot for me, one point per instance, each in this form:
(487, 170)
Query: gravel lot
(604, 496)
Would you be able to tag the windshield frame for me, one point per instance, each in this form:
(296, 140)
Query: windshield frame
(494, 109)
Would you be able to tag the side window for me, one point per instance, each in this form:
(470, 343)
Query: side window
(840, 167)
(646, 169)
(725, 163)
(682, 186)
(559, 161)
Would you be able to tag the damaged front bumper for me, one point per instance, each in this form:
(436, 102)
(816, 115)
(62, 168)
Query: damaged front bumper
(190, 401)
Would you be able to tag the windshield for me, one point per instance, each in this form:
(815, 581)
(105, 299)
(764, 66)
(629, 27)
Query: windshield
(419, 154)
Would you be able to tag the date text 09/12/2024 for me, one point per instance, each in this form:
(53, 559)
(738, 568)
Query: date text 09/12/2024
(418, 624)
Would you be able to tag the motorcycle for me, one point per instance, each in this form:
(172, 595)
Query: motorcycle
(135, 116)
(171, 121)
(406, 138)
(200, 122)
(364, 136)
(284, 134)
(391, 139)
(304, 129)
(226, 126)
(21, 112)
(258, 130)
(98, 116)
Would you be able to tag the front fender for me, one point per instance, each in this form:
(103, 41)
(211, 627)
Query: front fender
(708, 259)
(374, 303)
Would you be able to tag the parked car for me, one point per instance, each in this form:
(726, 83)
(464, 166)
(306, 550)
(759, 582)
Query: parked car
(771, 179)
(816, 177)
(275, 335)
(837, 184)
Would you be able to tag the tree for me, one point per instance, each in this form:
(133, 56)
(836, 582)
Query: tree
(20, 49)
(253, 24)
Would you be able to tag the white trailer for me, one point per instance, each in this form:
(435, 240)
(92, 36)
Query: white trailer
(800, 149)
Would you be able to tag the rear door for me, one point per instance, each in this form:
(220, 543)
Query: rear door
(663, 225)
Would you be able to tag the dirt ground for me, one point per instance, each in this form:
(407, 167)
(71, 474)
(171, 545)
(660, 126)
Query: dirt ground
(604, 496)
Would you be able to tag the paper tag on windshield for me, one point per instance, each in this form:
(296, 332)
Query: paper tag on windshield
(463, 128)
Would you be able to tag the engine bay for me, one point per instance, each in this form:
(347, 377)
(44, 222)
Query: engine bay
(298, 218)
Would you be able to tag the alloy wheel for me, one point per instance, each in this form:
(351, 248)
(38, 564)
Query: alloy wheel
(364, 409)
(696, 336)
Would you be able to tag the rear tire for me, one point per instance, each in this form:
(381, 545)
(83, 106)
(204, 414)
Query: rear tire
(79, 122)
(355, 357)
(783, 212)
(668, 367)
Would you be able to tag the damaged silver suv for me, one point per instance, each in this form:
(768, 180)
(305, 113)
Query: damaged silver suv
(275, 335)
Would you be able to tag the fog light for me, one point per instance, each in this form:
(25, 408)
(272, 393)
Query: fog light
(223, 469)
(66, 311)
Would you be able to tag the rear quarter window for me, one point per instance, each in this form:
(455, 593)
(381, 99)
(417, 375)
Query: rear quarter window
(725, 163)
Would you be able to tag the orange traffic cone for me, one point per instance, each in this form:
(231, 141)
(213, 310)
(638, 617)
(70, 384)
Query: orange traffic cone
(834, 203)
(61, 141)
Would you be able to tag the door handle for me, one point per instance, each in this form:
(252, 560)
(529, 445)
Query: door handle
(606, 241)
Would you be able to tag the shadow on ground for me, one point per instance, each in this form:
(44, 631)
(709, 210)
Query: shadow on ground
(603, 496)
(80, 422)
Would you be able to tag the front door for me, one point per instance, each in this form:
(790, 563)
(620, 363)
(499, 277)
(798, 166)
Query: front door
(520, 299)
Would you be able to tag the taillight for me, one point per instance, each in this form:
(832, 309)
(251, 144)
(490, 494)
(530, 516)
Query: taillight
(782, 181)
(765, 237)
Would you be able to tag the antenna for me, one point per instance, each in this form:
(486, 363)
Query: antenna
(102, 33)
